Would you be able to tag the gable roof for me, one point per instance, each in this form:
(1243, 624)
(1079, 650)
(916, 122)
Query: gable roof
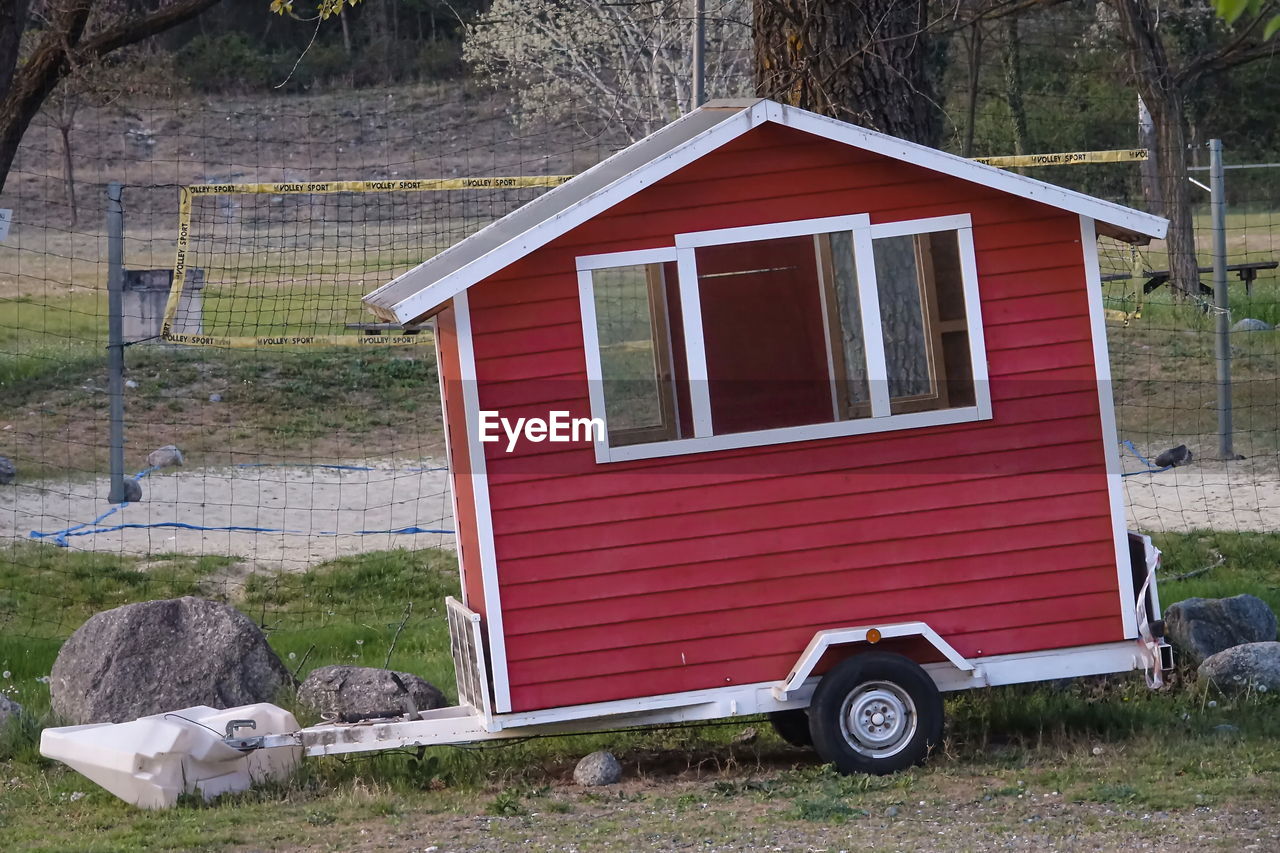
(422, 290)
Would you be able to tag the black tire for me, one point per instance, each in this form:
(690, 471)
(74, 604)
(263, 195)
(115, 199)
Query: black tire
(793, 727)
(876, 713)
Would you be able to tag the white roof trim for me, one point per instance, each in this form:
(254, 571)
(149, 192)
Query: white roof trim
(430, 294)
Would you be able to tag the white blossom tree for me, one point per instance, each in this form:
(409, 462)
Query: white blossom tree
(626, 62)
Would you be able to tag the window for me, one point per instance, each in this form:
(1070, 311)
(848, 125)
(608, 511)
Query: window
(765, 334)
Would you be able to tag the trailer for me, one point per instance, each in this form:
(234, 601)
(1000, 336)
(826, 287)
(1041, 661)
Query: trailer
(765, 414)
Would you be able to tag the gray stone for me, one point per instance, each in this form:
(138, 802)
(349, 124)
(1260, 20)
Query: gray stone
(132, 491)
(164, 457)
(158, 656)
(598, 768)
(1226, 730)
(1249, 324)
(1201, 627)
(9, 710)
(1252, 666)
(352, 693)
(8, 471)
(215, 398)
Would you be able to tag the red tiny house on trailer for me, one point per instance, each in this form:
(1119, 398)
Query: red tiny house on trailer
(798, 457)
(833, 434)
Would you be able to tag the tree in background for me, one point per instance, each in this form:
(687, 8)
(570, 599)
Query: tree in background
(43, 41)
(873, 63)
(627, 64)
(1171, 50)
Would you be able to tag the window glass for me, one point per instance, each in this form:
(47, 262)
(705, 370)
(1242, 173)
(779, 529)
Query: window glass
(926, 338)
(635, 354)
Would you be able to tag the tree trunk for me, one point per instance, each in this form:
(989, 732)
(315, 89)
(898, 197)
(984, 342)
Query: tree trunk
(1165, 99)
(864, 62)
(1013, 88)
(1175, 190)
(13, 20)
(974, 54)
(69, 172)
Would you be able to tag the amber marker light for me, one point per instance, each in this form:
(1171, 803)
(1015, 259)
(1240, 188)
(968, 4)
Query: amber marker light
(873, 635)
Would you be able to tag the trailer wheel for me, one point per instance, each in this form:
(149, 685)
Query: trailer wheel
(876, 713)
(792, 726)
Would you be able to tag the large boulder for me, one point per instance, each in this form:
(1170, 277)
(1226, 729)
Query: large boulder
(352, 693)
(160, 656)
(164, 457)
(1252, 666)
(8, 471)
(1202, 627)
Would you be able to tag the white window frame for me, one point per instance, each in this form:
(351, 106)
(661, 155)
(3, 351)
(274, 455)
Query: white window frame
(704, 440)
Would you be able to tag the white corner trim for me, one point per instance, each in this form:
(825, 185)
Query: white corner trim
(824, 640)
(484, 514)
(1110, 436)
(595, 371)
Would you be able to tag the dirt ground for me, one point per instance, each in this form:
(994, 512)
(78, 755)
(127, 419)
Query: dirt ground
(321, 508)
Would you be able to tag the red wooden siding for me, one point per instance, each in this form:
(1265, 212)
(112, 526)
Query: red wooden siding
(634, 579)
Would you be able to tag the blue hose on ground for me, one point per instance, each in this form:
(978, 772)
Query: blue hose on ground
(89, 528)
(1151, 466)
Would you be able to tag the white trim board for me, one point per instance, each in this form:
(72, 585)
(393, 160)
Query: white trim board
(422, 289)
(1110, 437)
(484, 514)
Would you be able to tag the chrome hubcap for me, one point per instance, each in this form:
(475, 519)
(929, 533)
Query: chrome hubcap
(878, 719)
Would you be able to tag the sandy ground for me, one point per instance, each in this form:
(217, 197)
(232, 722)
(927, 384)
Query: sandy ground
(312, 504)
(1239, 496)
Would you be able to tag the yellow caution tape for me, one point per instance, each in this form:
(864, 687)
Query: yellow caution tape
(306, 188)
(1070, 158)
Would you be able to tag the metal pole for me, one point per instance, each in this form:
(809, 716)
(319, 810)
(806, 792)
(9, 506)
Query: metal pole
(1221, 299)
(115, 337)
(699, 50)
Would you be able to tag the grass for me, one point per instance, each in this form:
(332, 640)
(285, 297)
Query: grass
(321, 404)
(1094, 751)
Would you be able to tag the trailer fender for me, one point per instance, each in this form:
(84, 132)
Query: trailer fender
(871, 634)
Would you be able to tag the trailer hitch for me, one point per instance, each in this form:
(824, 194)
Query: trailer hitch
(243, 744)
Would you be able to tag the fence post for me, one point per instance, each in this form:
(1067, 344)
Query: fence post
(699, 53)
(115, 338)
(1221, 299)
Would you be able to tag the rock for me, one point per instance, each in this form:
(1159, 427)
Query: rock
(164, 457)
(9, 710)
(129, 383)
(158, 656)
(1249, 324)
(1173, 457)
(215, 398)
(1226, 730)
(132, 491)
(598, 768)
(1201, 627)
(352, 693)
(892, 811)
(8, 471)
(1252, 666)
